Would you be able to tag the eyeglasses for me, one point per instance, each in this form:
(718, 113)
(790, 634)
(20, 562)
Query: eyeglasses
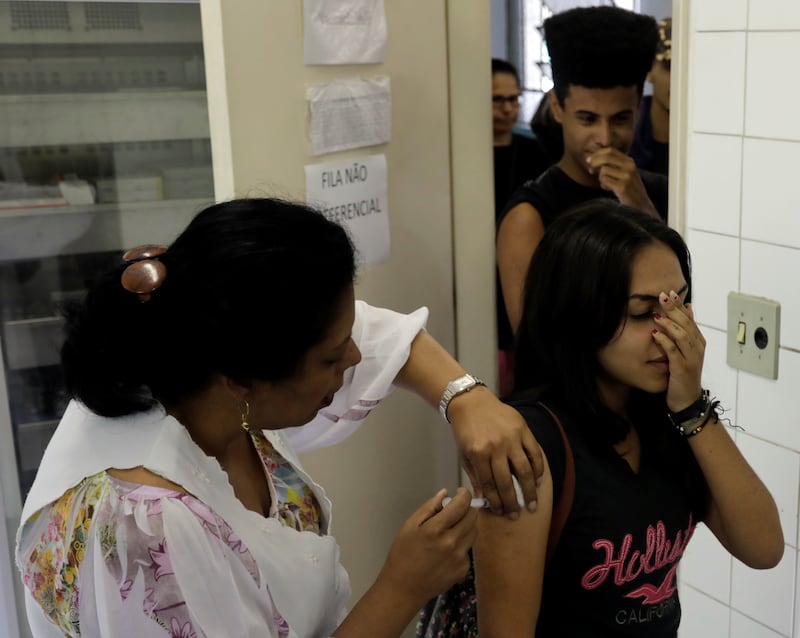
(499, 100)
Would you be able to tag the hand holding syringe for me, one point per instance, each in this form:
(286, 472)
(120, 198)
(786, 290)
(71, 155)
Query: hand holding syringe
(477, 503)
(483, 503)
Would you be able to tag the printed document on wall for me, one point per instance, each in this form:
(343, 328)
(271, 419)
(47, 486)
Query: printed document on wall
(344, 31)
(349, 114)
(354, 194)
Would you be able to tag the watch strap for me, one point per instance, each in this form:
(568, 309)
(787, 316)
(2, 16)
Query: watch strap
(457, 386)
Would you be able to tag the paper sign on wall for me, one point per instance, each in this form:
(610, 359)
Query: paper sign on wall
(344, 31)
(349, 114)
(354, 194)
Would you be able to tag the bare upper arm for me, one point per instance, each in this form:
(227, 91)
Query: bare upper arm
(517, 237)
(143, 476)
(509, 567)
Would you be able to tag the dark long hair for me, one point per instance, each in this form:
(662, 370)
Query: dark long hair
(251, 285)
(576, 296)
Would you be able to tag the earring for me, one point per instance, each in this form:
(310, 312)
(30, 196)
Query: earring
(245, 415)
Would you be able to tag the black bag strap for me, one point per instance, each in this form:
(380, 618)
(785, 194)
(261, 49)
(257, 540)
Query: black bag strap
(563, 506)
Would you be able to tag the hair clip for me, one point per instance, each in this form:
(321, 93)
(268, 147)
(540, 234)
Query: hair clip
(145, 273)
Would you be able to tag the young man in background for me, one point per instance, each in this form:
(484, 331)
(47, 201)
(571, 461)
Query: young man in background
(600, 57)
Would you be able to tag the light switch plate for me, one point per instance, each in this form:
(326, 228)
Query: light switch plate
(762, 318)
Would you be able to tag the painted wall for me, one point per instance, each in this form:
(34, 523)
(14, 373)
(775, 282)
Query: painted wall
(739, 206)
(439, 178)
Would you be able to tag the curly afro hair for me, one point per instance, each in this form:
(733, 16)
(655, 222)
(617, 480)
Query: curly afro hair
(600, 48)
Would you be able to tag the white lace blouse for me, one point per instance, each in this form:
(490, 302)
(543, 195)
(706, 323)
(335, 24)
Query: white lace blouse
(101, 557)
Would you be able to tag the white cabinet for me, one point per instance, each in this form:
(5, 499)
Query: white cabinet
(104, 145)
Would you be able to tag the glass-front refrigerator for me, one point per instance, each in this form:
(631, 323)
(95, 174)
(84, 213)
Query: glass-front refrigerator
(104, 145)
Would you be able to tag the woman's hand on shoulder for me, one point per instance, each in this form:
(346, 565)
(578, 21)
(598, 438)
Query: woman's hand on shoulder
(494, 441)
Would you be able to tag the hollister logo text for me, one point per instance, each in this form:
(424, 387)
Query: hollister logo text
(625, 566)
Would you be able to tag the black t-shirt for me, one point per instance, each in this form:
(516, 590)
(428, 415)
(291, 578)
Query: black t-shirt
(521, 161)
(613, 572)
(554, 192)
(515, 164)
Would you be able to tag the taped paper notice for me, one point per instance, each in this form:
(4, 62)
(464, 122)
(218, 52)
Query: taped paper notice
(344, 31)
(349, 114)
(354, 194)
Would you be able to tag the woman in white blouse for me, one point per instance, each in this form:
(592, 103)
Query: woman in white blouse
(171, 501)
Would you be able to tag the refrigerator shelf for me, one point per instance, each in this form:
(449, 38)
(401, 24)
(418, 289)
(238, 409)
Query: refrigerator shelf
(104, 145)
(92, 228)
(33, 438)
(95, 118)
(32, 343)
(123, 208)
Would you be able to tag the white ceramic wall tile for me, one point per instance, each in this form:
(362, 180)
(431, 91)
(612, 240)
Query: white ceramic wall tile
(797, 604)
(706, 565)
(773, 14)
(769, 271)
(744, 627)
(702, 616)
(779, 468)
(770, 198)
(770, 410)
(715, 272)
(771, 103)
(717, 83)
(713, 178)
(718, 15)
(767, 596)
(718, 376)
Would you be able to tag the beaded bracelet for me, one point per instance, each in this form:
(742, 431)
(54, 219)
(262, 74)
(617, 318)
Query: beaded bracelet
(683, 428)
(691, 421)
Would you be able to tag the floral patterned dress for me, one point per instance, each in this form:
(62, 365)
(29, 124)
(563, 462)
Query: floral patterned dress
(105, 558)
(130, 522)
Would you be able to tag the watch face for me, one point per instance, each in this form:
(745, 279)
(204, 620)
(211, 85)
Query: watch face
(454, 388)
(462, 383)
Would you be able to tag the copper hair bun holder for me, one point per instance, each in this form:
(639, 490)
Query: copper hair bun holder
(145, 273)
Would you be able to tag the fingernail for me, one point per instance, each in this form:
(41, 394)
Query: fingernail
(663, 298)
(674, 295)
(532, 506)
(656, 316)
(513, 516)
(654, 332)
(538, 481)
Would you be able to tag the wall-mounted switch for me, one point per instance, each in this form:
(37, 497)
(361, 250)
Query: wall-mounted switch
(753, 334)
